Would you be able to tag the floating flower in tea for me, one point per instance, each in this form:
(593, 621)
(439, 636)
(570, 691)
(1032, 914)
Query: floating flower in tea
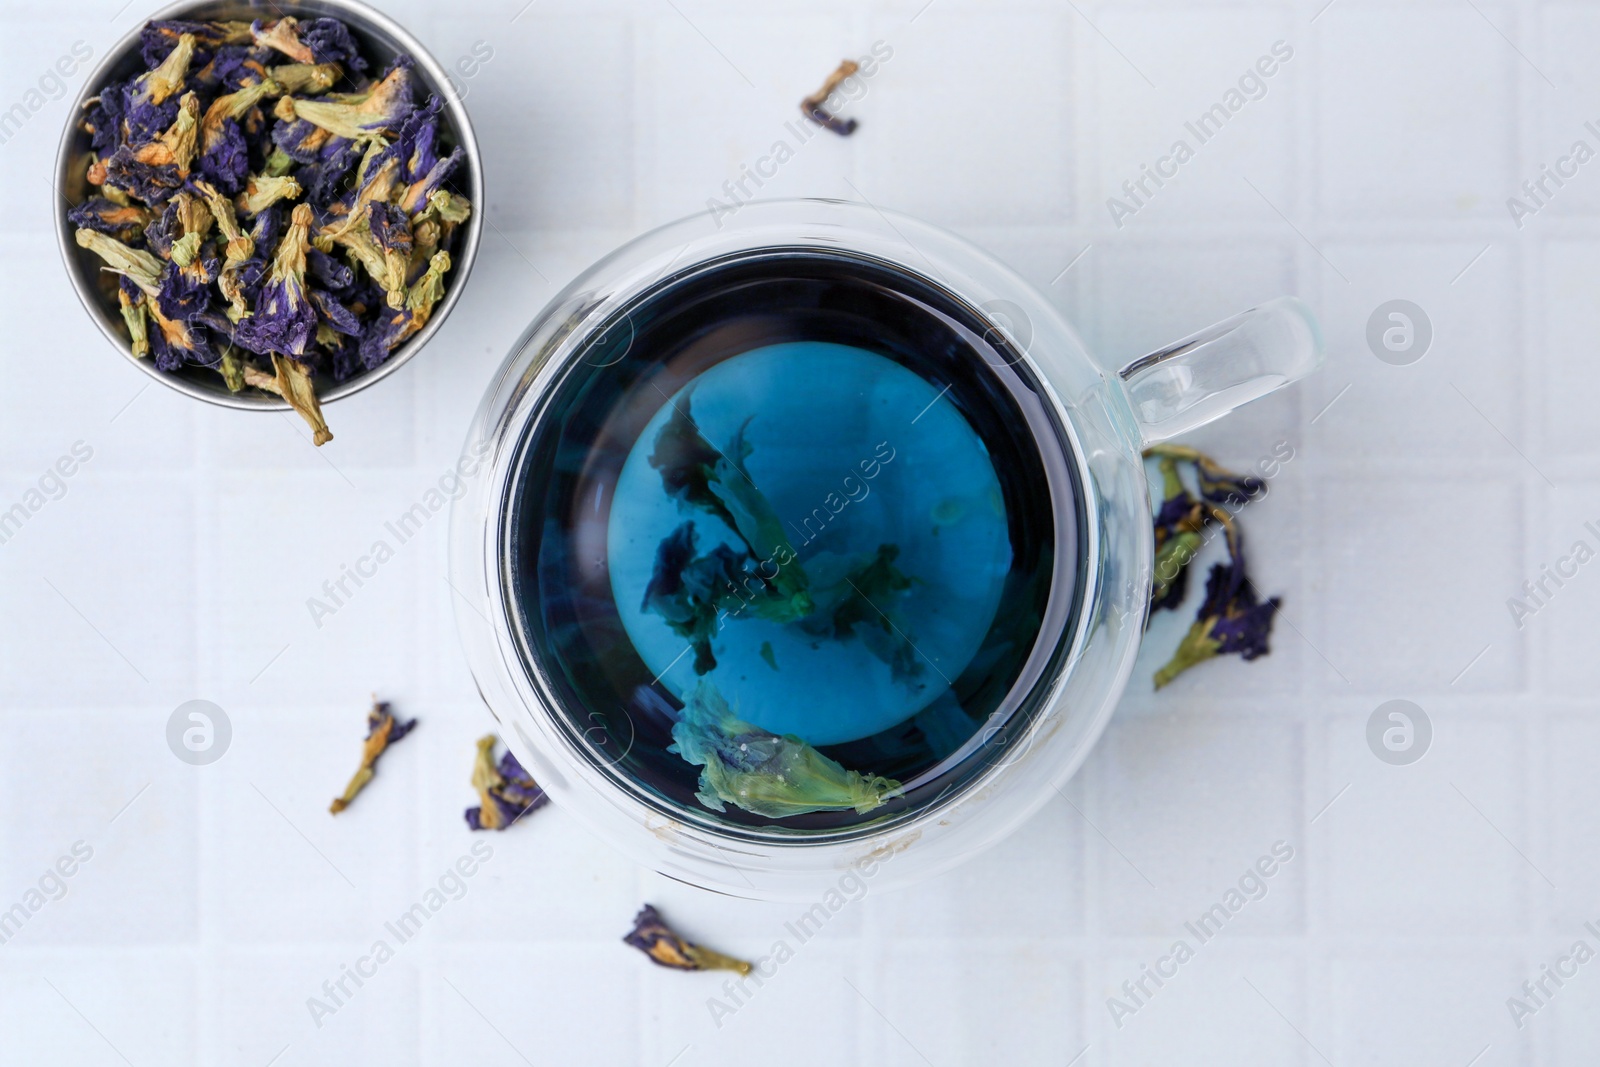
(762, 772)
(887, 588)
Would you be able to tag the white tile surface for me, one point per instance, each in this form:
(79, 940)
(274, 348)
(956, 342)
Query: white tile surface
(183, 552)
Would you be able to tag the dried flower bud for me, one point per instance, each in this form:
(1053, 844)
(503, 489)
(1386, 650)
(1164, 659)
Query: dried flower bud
(283, 36)
(381, 112)
(294, 385)
(306, 78)
(167, 78)
(655, 939)
(122, 221)
(383, 730)
(763, 773)
(133, 314)
(261, 192)
(240, 246)
(1231, 619)
(506, 792)
(139, 266)
(813, 107)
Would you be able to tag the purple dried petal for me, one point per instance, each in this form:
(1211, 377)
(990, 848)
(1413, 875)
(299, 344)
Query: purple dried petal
(300, 139)
(151, 183)
(145, 121)
(323, 176)
(267, 229)
(283, 322)
(330, 42)
(184, 294)
(226, 162)
(335, 314)
(391, 228)
(126, 224)
(380, 337)
(104, 118)
(346, 359)
(414, 144)
(189, 344)
(652, 936)
(416, 194)
(510, 768)
(327, 271)
(233, 67)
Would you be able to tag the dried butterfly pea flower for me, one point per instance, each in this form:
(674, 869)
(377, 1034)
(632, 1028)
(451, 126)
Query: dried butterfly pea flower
(230, 67)
(327, 271)
(193, 222)
(158, 39)
(167, 77)
(261, 192)
(135, 264)
(328, 168)
(133, 315)
(294, 385)
(183, 294)
(387, 269)
(156, 169)
(1231, 619)
(656, 939)
(330, 42)
(187, 151)
(427, 291)
(391, 229)
(381, 111)
(1179, 533)
(240, 246)
(334, 315)
(175, 341)
(283, 36)
(383, 730)
(125, 222)
(284, 316)
(224, 154)
(305, 78)
(506, 792)
(764, 773)
(812, 107)
(1217, 484)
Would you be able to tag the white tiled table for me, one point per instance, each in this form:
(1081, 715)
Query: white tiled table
(179, 560)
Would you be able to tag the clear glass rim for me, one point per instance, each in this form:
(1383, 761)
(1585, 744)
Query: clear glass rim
(1053, 647)
(941, 834)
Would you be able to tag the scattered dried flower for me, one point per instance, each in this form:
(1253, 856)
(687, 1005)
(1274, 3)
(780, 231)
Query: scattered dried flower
(1231, 619)
(813, 107)
(506, 792)
(383, 730)
(655, 939)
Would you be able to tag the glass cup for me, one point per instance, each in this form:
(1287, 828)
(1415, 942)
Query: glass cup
(1090, 429)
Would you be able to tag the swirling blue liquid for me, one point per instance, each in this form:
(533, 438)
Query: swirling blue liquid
(891, 538)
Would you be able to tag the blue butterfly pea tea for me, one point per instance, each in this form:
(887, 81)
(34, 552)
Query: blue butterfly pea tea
(784, 539)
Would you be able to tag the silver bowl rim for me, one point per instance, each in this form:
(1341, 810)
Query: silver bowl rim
(370, 21)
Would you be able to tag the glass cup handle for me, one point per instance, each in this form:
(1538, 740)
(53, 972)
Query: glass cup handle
(1206, 375)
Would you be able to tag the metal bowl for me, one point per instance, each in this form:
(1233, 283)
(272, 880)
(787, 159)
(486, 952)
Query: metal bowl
(381, 39)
